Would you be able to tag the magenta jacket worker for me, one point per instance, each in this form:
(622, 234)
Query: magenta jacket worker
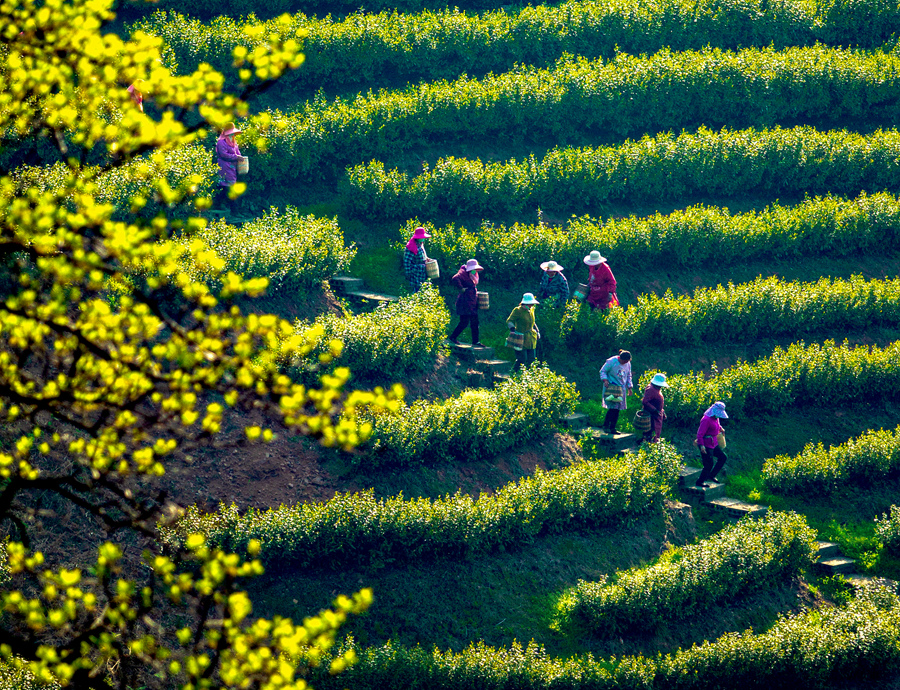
(711, 453)
(228, 153)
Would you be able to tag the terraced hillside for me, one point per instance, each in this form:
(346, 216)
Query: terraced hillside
(738, 163)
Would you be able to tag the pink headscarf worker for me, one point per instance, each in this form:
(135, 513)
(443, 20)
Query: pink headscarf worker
(136, 94)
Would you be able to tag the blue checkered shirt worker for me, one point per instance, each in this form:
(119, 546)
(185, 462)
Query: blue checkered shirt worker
(558, 288)
(414, 267)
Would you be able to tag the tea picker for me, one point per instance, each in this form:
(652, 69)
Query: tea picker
(601, 282)
(650, 417)
(416, 264)
(711, 442)
(469, 300)
(616, 377)
(554, 284)
(523, 332)
(231, 162)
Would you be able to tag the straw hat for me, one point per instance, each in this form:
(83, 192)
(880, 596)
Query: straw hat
(551, 266)
(472, 265)
(231, 129)
(528, 298)
(421, 234)
(594, 258)
(659, 380)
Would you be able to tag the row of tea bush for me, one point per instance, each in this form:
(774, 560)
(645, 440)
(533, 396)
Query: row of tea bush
(824, 374)
(739, 559)
(358, 528)
(579, 101)
(698, 234)
(821, 648)
(816, 470)
(764, 307)
(724, 163)
(429, 40)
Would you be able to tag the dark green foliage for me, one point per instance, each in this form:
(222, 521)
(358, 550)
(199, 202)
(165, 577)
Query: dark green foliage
(392, 341)
(477, 424)
(725, 163)
(872, 457)
(825, 375)
(815, 649)
(737, 560)
(358, 528)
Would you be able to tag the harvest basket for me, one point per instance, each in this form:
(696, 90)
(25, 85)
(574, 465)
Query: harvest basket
(243, 165)
(515, 340)
(641, 421)
(432, 270)
(581, 292)
(483, 300)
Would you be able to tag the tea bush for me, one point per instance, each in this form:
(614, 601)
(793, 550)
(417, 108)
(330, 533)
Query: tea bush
(829, 225)
(624, 97)
(800, 160)
(391, 341)
(476, 424)
(741, 558)
(189, 168)
(888, 529)
(813, 649)
(359, 529)
(867, 459)
(294, 252)
(417, 40)
(764, 307)
(826, 375)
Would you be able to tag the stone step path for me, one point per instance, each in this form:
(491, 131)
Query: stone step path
(713, 496)
(829, 559)
(483, 368)
(354, 288)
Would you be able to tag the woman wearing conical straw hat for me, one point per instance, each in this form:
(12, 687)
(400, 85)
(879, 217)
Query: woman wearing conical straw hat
(554, 284)
(227, 154)
(602, 282)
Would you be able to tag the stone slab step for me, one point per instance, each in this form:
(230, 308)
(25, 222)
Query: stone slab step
(495, 366)
(371, 296)
(476, 379)
(688, 476)
(471, 354)
(574, 421)
(835, 565)
(344, 284)
(699, 494)
(617, 442)
(827, 549)
(737, 509)
(501, 378)
(858, 580)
